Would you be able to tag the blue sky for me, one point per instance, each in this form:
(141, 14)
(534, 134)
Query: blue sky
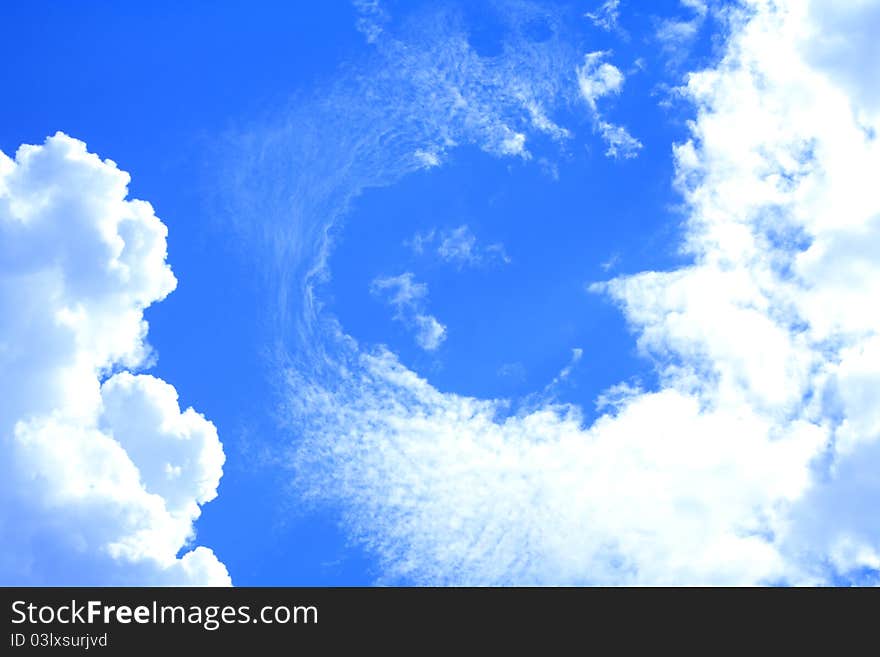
(479, 293)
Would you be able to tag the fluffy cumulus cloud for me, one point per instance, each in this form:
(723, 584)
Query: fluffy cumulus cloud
(101, 473)
(755, 460)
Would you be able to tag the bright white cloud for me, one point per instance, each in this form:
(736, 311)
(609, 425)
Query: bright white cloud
(755, 461)
(101, 475)
(597, 78)
(408, 298)
(446, 492)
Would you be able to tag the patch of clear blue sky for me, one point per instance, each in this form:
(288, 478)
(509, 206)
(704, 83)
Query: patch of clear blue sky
(153, 85)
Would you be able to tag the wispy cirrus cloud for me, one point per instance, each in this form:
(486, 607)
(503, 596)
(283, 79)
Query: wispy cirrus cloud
(741, 467)
(423, 90)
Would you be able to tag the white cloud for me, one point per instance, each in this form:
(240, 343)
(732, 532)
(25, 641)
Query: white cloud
(606, 15)
(458, 246)
(576, 354)
(408, 298)
(677, 36)
(775, 310)
(430, 333)
(403, 290)
(445, 492)
(102, 474)
(496, 102)
(371, 19)
(541, 122)
(620, 142)
(597, 78)
(428, 159)
(421, 240)
(425, 90)
(673, 34)
(755, 461)
(699, 7)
